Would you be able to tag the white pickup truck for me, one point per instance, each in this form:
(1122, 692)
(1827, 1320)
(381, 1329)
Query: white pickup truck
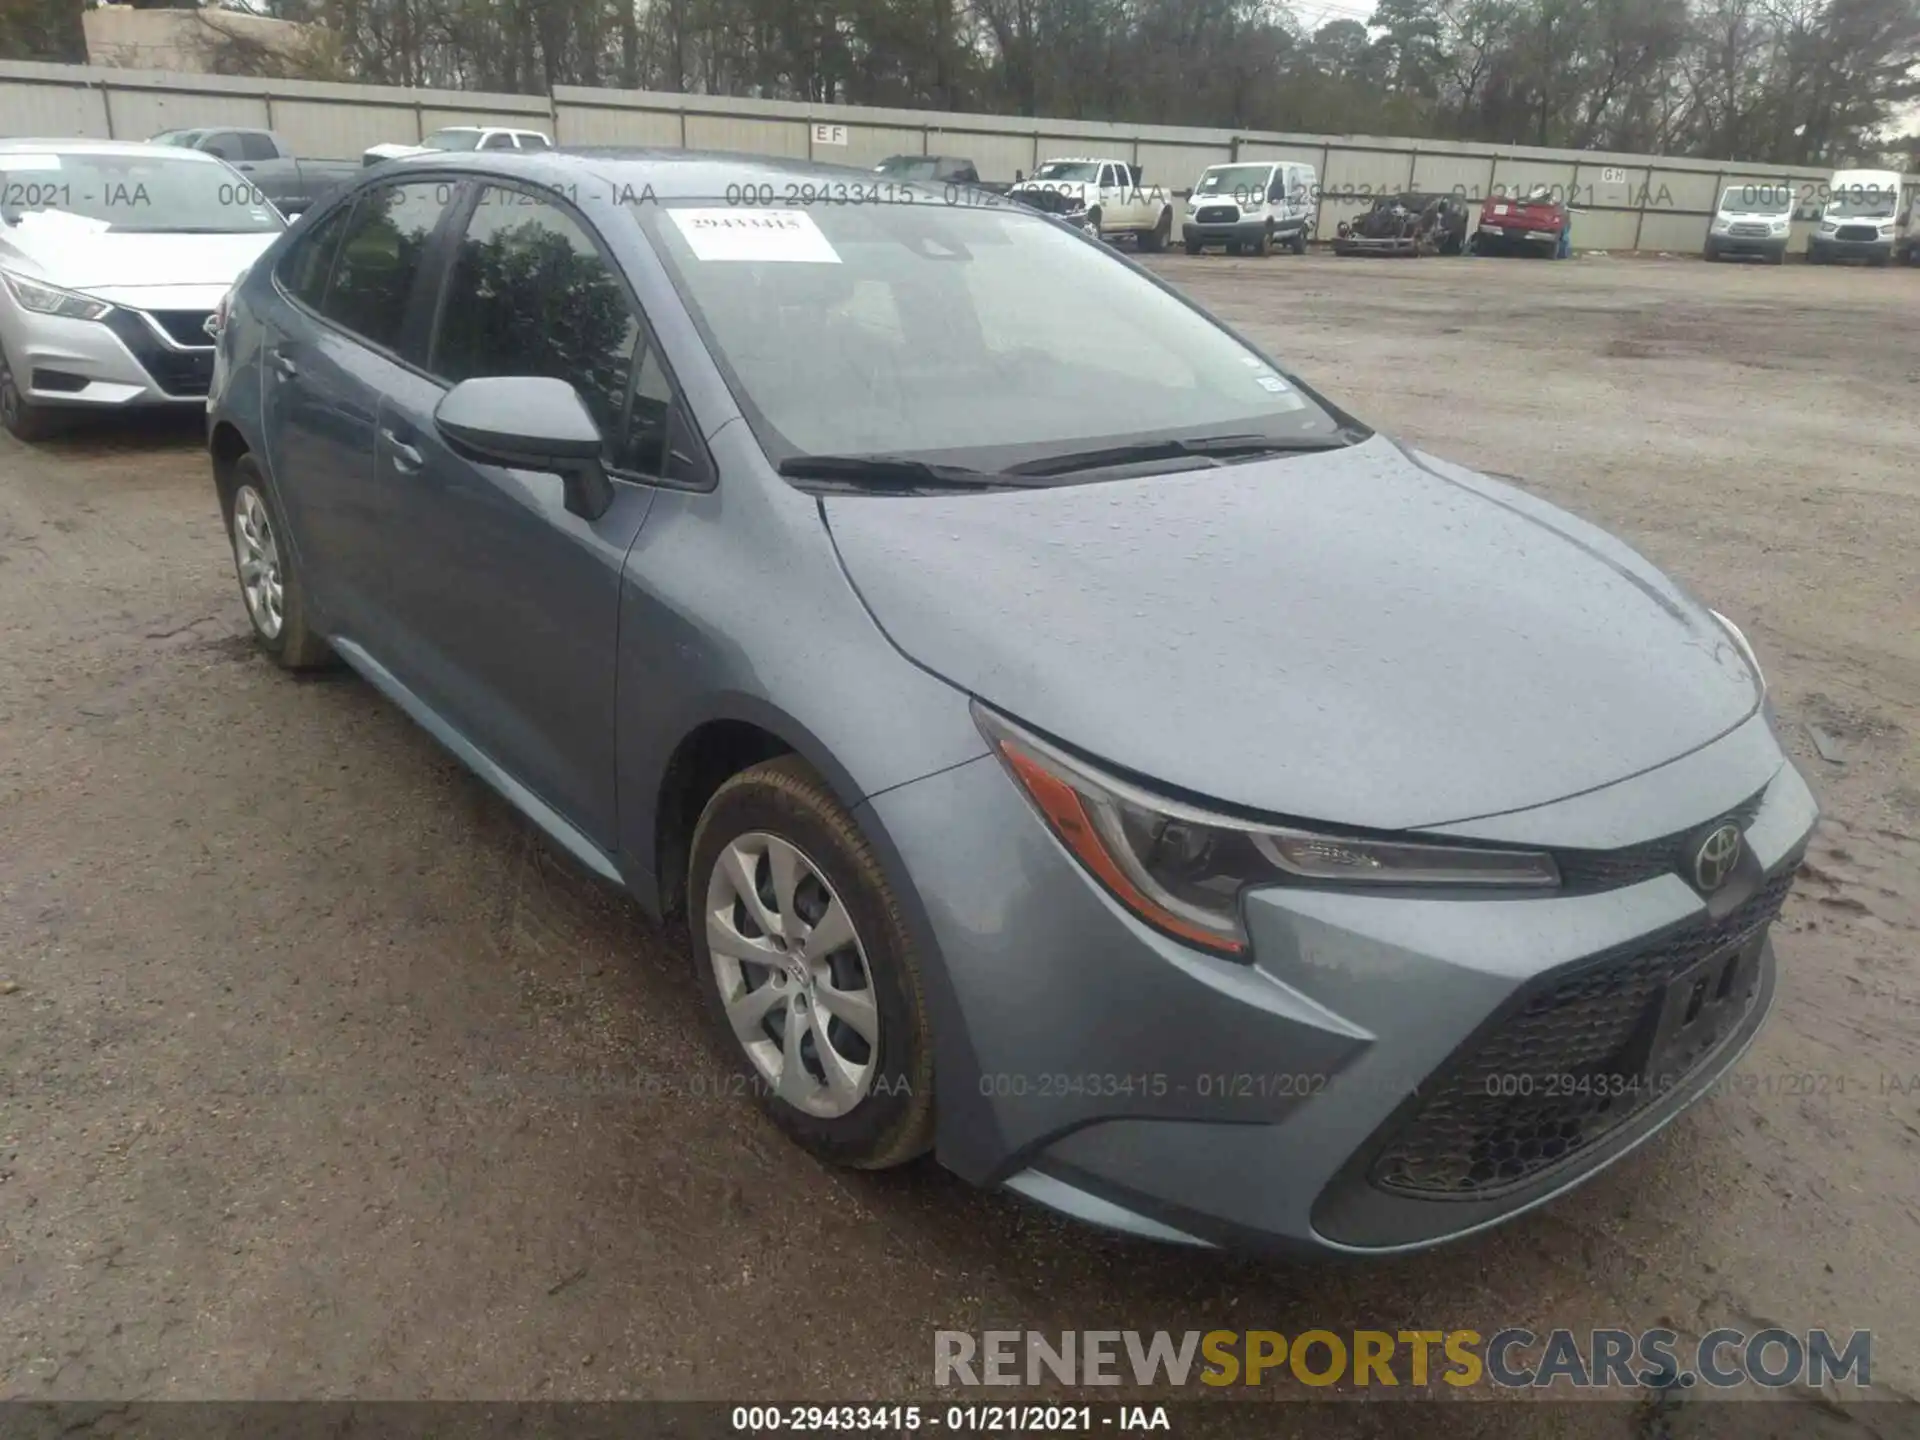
(1116, 199)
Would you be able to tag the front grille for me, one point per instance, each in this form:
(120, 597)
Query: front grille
(1523, 1097)
(187, 374)
(1216, 215)
(187, 327)
(1749, 231)
(1585, 870)
(1858, 232)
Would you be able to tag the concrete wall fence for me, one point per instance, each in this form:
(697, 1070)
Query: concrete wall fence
(1621, 202)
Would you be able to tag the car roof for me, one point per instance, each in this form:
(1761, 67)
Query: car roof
(671, 174)
(129, 148)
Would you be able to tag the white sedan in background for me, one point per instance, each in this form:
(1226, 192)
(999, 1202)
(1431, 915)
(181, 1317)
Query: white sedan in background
(113, 257)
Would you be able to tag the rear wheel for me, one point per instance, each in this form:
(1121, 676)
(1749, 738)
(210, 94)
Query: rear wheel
(809, 972)
(270, 586)
(22, 418)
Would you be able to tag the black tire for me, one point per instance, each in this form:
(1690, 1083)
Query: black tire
(1710, 252)
(1233, 247)
(294, 645)
(1093, 223)
(1263, 247)
(1300, 241)
(1194, 247)
(1155, 240)
(20, 416)
(1814, 257)
(784, 798)
(1779, 257)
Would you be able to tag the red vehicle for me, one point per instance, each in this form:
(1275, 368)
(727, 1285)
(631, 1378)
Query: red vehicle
(1533, 224)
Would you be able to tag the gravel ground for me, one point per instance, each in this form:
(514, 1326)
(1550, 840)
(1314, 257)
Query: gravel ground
(321, 1074)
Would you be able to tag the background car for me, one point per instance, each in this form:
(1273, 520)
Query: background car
(267, 160)
(455, 138)
(1295, 840)
(113, 257)
(1414, 222)
(1537, 223)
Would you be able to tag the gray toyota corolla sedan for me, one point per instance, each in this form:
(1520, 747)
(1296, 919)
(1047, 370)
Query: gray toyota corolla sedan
(1074, 746)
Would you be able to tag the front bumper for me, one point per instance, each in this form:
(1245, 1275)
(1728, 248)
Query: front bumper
(116, 363)
(1829, 248)
(1767, 246)
(1239, 232)
(1110, 1073)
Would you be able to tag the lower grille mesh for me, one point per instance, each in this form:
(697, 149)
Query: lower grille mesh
(1516, 1104)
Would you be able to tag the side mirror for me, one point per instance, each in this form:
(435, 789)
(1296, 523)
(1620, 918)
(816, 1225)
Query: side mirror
(530, 422)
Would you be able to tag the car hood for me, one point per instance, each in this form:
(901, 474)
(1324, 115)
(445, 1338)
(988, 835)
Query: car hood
(1368, 636)
(77, 255)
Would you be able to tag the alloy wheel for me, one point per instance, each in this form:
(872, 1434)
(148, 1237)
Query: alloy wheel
(793, 975)
(256, 554)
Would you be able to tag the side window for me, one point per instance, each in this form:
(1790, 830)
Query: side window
(1106, 177)
(644, 450)
(530, 141)
(380, 253)
(223, 143)
(967, 175)
(1123, 176)
(530, 295)
(303, 270)
(256, 146)
(498, 140)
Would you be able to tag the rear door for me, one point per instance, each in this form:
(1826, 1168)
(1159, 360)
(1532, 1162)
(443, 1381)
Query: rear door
(516, 602)
(346, 299)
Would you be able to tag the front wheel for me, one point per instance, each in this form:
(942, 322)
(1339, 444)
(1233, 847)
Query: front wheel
(22, 418)
(1155, 240)
(1263, 247)
(1300, 241)
(1194, 247)
(809, 972)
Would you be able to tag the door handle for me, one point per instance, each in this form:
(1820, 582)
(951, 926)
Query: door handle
(283, 363)
(405, 458)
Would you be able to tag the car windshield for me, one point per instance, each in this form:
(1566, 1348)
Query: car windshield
(1862, 202)
(153, 193)
(452, 140)
(177, 137)
(1068, 170)
(1234, 180)
(978, 336)
(910, 167)
(1757, 200)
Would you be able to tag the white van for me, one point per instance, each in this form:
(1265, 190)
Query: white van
(1754, 217)
(1862, 217)
(1253, 205)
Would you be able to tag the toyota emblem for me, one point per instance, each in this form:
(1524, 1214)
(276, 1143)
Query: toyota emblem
(1713, 862)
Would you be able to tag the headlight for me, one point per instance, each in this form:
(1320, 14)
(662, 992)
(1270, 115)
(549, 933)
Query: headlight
(1779, 227)
(1721, 222)
(1181, 869)
(1827, 227)
(50, 300)
(1741, 644)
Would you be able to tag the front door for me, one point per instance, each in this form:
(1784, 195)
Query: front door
(514, 598)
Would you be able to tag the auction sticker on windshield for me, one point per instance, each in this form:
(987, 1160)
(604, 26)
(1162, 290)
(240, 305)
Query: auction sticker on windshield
(29, 162)
(754, 235)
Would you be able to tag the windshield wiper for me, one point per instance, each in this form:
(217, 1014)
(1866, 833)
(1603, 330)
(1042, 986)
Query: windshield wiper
(1206, 446)
(881, 471)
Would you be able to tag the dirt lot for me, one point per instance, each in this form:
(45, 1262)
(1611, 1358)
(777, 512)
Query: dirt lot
(317, 1065)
